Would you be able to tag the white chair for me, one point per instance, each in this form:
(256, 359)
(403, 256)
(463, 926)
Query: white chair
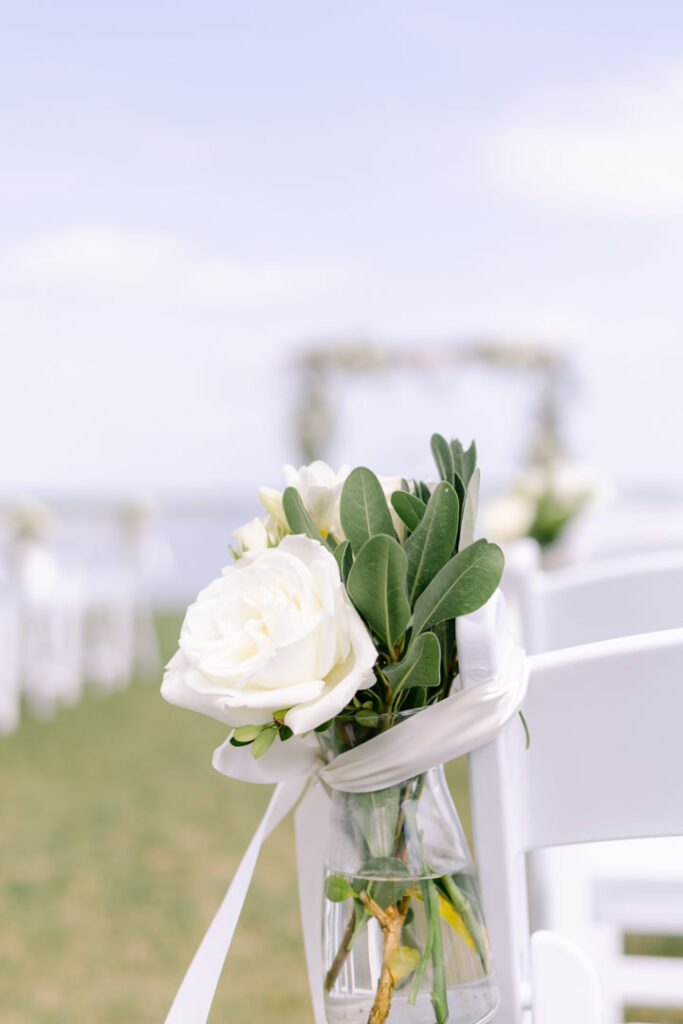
(588, 708)
(594, 601)
(617, 532)
(615, 887)
(10, 678)
(52, 645)
(109, 640)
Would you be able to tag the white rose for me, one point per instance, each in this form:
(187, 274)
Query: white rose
(257, 534)
(276, 631)
(320, 488)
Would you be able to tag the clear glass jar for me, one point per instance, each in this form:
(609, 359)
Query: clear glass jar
(404, 938)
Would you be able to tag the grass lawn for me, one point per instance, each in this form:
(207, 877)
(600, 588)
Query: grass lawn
(118, 840)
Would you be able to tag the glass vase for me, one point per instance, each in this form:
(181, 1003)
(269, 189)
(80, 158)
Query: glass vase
(404, 938)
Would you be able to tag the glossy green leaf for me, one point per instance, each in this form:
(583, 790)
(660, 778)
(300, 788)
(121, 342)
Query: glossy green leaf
(422, 491)
(246, 733)
(464, 584)
(363, 508)
(420, 667)
(298, 519)
(445, 634)
(464, 461)
(409, 508)
(443, 457)
(338, 889)
(367, 718)
(377, 587)
(344, 557)
(433, 542)
(264, 741)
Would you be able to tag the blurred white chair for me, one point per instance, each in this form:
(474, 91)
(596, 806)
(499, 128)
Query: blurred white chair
(617, 533)
(580, 604)
(10, 678)
(597, 894)
(578, 782)
(109, 641)
(51, 604)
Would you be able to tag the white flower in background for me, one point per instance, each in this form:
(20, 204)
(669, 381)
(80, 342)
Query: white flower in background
(259, 533)
(276, 631)
(509, 516)
(574, 482)
(320, 488)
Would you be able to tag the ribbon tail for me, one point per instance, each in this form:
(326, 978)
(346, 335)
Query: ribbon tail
(310, 824)
(193, 1000)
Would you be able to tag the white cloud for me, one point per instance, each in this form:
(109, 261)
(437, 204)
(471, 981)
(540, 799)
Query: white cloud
(152, 269)
(616, 148)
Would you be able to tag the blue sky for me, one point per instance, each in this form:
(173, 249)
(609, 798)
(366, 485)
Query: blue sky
(187, 191)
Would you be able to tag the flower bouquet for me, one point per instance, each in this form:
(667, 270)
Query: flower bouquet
(329, 647)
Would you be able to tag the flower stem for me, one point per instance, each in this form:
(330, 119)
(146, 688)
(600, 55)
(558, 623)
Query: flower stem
(342, 952)
(439, 997)
(390, 921)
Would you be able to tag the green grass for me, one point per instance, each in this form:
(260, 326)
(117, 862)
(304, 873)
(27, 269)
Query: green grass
(118, 840)
(654, 1016)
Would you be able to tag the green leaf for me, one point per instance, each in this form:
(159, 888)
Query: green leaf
(469, 512)
(433, 542)
(363, 508)
(246, 733)
(443, 457)
(463, 585)
(338, 889)
(383, 867)
(469, 463)
(423, 492)
(464, 462)
(389, 886)
(420, 667)
(264, 741)
(403, 961)
(344, 557)
(298, 519)
(445, 634)
(459, 488)
(409, 508)
(367, 718)
(473, 931)
(377, 587)
(439, 995)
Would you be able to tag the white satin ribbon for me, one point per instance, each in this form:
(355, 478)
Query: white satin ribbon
(493, 678)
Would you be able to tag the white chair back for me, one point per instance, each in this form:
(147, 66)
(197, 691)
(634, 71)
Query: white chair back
(109, 631)
(620, 532)
(52, 638)
(604, 756)
(601, 601)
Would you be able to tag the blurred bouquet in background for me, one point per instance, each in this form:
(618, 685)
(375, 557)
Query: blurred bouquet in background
(543, 500)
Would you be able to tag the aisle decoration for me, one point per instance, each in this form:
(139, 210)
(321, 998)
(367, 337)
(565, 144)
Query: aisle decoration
(543, 501)
(353, 646)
